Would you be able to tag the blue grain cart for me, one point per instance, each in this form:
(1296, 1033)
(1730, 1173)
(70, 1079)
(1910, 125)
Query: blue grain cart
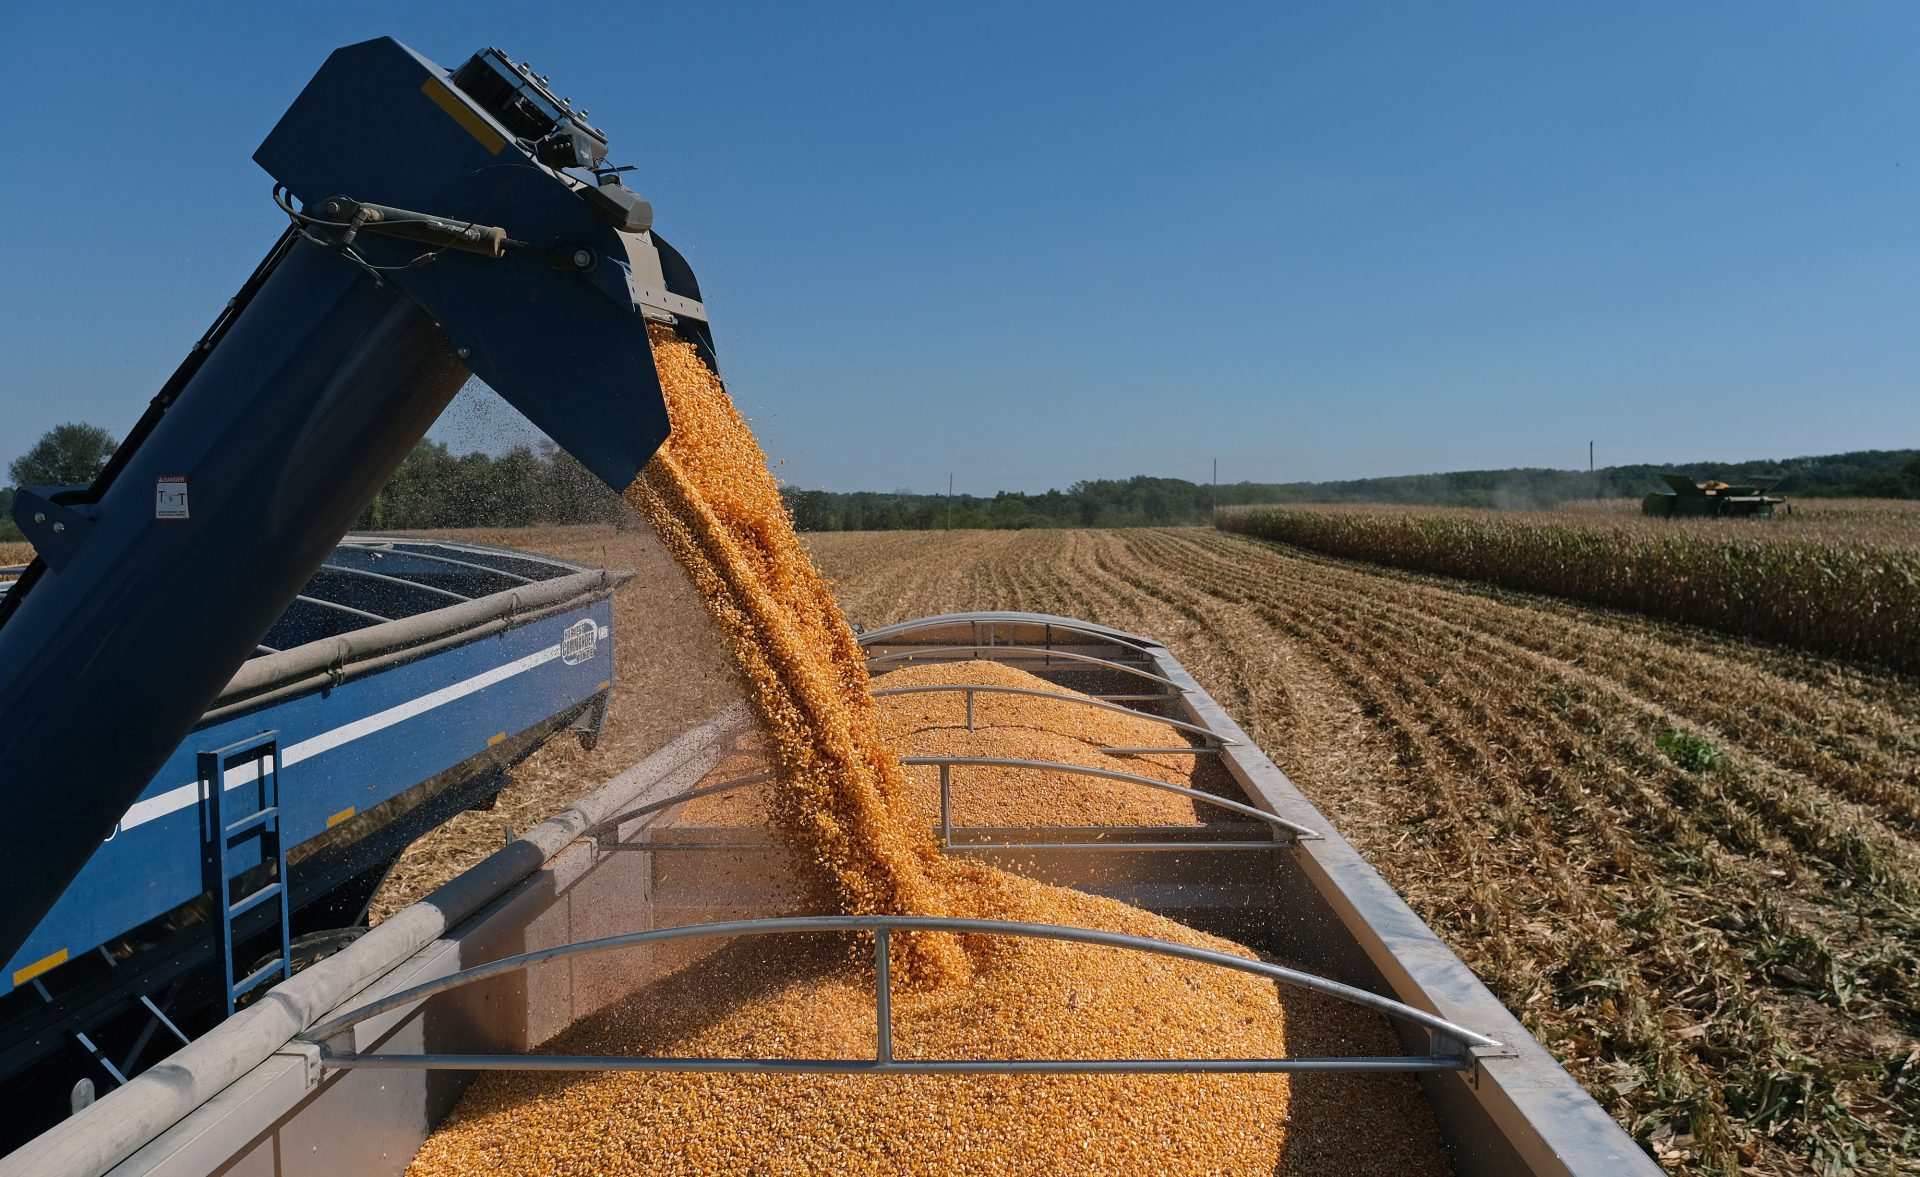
(397, 690)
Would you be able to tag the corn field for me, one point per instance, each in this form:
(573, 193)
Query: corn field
(1689, 863)
(1847, 585)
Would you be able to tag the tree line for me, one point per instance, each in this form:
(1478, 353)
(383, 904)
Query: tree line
(436, 489)
(1161, 502)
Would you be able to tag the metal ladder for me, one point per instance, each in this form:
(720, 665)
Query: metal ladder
(219, 836)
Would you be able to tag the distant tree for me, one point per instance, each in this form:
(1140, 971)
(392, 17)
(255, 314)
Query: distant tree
(574, 494)
(506, 491)
(1010, 511)
(434, 488)
(66, 455)
(812, 510)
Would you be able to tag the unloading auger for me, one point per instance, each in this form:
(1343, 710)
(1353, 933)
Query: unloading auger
(443, 224)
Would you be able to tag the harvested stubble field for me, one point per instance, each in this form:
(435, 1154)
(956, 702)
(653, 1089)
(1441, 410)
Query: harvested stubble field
(1689, 862)
(1839, 577)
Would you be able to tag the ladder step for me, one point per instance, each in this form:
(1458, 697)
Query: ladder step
(247, 823)
(252, 901)
(100, 1056)
(264, 973)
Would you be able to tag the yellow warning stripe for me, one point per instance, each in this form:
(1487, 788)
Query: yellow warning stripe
(341, 816)
(463, 114)
(22, 976)
(495, 738)
(604, 684)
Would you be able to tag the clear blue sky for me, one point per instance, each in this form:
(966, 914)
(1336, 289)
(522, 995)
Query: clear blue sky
(1031, 243)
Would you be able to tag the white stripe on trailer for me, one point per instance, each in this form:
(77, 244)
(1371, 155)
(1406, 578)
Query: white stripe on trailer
(188, 795)
(380, 720)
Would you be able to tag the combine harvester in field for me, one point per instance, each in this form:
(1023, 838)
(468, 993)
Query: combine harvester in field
(1711, 499)
(448, 223)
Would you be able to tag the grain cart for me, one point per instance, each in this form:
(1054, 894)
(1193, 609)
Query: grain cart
(400, 688)
(466, 221)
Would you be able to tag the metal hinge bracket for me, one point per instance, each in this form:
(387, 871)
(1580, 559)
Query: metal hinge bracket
(55, 530)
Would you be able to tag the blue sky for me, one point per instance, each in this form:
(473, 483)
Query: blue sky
(1032, 243)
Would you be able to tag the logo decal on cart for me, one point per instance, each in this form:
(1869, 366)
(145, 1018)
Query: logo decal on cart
(579, 641)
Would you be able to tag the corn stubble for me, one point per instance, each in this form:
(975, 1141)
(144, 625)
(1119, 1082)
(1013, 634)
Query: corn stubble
(1724, 950)
(857, 815)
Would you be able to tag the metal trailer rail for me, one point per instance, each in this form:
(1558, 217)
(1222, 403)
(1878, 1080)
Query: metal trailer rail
(607, 839)
(972, 689)
(1008, 654)
(1453, 1046)
(990, 622)
(947, 764)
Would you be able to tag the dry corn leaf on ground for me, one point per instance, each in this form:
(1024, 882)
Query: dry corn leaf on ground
(845, 802)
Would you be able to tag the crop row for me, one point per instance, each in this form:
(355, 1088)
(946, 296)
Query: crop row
(1854, 601)
(1686, 862)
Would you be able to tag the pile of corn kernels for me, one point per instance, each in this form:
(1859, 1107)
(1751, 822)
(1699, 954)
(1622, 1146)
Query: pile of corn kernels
(1025, 998)
(1024, 727)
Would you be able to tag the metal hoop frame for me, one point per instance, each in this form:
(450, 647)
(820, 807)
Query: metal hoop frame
(947, 763)
(1452, 1043)
(972, 689)
(600, 831)
(891, 634)
(1025, 654)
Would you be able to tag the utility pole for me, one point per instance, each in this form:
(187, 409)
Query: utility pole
(1213, 492)
(1593, 479)
(949, 500)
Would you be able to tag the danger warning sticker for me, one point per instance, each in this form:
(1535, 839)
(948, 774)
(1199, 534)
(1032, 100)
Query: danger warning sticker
(170, 496)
